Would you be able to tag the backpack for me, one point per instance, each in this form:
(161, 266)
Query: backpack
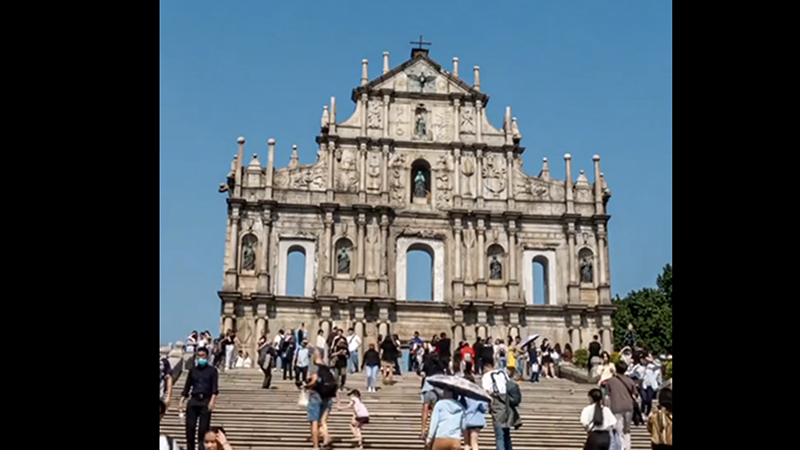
(513, 393)
(326, 384)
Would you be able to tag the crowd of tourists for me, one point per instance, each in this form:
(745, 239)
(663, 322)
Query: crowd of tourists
(449, 414)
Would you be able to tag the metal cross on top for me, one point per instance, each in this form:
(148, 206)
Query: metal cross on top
(421, 43)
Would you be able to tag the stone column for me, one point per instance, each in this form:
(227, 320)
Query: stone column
(569, 193)
(457, 173)
(263, 271)
(364, 112)
(573, 292)
(598, 187)
(510, 175)
(479, 176)
(361, 222)
(327, 261)
(227, 324)
(385, 169)
(362, 165)
(456, 121)
(602, 248)
(457, 249)
(384, 255)
(270, 168)
(233, 257)
(512, 250)
(385, 117)
(458, 329)
(331, 166)
(605, 338)
(481, 249)
(575, 338)
(479, 119)
(482, 324)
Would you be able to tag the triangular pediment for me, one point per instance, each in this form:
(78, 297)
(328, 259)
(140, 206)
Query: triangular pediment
(420, 75)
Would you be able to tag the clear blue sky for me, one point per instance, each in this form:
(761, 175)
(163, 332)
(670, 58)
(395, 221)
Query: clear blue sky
(583, 77)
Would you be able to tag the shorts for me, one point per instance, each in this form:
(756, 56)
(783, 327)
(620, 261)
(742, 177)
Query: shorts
(317, 407)
(429, 398)
(361, 421)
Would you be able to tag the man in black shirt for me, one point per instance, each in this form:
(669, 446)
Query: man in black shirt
(594, 351)
(443, 349)
(201, 389)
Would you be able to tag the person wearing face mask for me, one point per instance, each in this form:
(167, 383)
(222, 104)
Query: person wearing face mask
(201, 390)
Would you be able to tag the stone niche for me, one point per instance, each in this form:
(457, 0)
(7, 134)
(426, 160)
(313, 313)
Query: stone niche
(287, 245)
(548, 259)
(435, 248)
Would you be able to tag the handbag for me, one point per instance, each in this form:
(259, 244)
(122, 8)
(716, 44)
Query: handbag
(303, 400)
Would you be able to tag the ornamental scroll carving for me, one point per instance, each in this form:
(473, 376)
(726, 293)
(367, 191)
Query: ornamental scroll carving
(444, 186)
(374, 171)
(374, 114)
(494, 174)
(467, 120)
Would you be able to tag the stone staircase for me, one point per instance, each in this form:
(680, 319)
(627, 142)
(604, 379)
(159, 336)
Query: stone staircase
(255, 418)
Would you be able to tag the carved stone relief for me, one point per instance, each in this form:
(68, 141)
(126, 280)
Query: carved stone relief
(347, 175)
(441, 124)
(557, 191)
(442, 85)
(400, 118)
(468, 170)
(467, 120)
(422, 128)
(401, 82)
(422, 80)
(522, 182)
(374, 171)
(397, 185)
(494, 173)
(443, 185)
(373, 250)
(374, 114)
(583, 194)
(469, 243)
(539, 190)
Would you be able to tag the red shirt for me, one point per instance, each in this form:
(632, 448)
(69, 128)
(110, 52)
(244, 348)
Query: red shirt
(467, 349)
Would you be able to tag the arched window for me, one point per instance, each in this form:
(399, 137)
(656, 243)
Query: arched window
(296, 272)
(586, 265)
(248, 253)
(496, 262)
(419, 274)
(420, 182)
(343, 258)
(541, 275)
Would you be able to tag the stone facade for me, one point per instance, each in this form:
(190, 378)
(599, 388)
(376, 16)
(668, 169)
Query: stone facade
(418, 166)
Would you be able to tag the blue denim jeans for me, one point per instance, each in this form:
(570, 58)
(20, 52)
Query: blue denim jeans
(352, 362)
(372, 375)
(503, 438)
(317, 407)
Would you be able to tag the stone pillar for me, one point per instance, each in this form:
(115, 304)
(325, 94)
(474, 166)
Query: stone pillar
(384, 255)
(385, 169)
(385, 117)
(479, 124)
(510, 175)
(358, 329)
(361, 246)
(331, 167)
(573, 290)
(383, 321)
(364, 112)
(569, 193)
(575, 338)
(233, 257)
(482, 322)
(270, 169)
(457, 249)
(457, 172)
(263, 271)
(326, 262)
(512, 250)
(362, 166)
(479, 176)
(602, 254)
(456, 123)
(227, 324)
(605, 339)
(598, 187)
(481, 249)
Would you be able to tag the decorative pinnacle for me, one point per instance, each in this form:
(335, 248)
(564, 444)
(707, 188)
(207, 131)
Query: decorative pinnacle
(271, 141)
(567, 156)
(240, 140)
(596, 158)
(544, 159)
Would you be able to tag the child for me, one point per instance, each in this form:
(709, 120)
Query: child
(360, 416)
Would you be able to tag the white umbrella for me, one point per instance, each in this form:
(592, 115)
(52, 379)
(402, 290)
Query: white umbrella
(529, 339)
(459, 385)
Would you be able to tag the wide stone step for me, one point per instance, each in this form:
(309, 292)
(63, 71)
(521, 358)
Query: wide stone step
(258, 418)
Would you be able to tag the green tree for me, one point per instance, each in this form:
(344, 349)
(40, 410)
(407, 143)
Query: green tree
(650, 312)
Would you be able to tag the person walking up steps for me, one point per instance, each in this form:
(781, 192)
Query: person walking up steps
(598, 421)
(321, 388)
(360, 417)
